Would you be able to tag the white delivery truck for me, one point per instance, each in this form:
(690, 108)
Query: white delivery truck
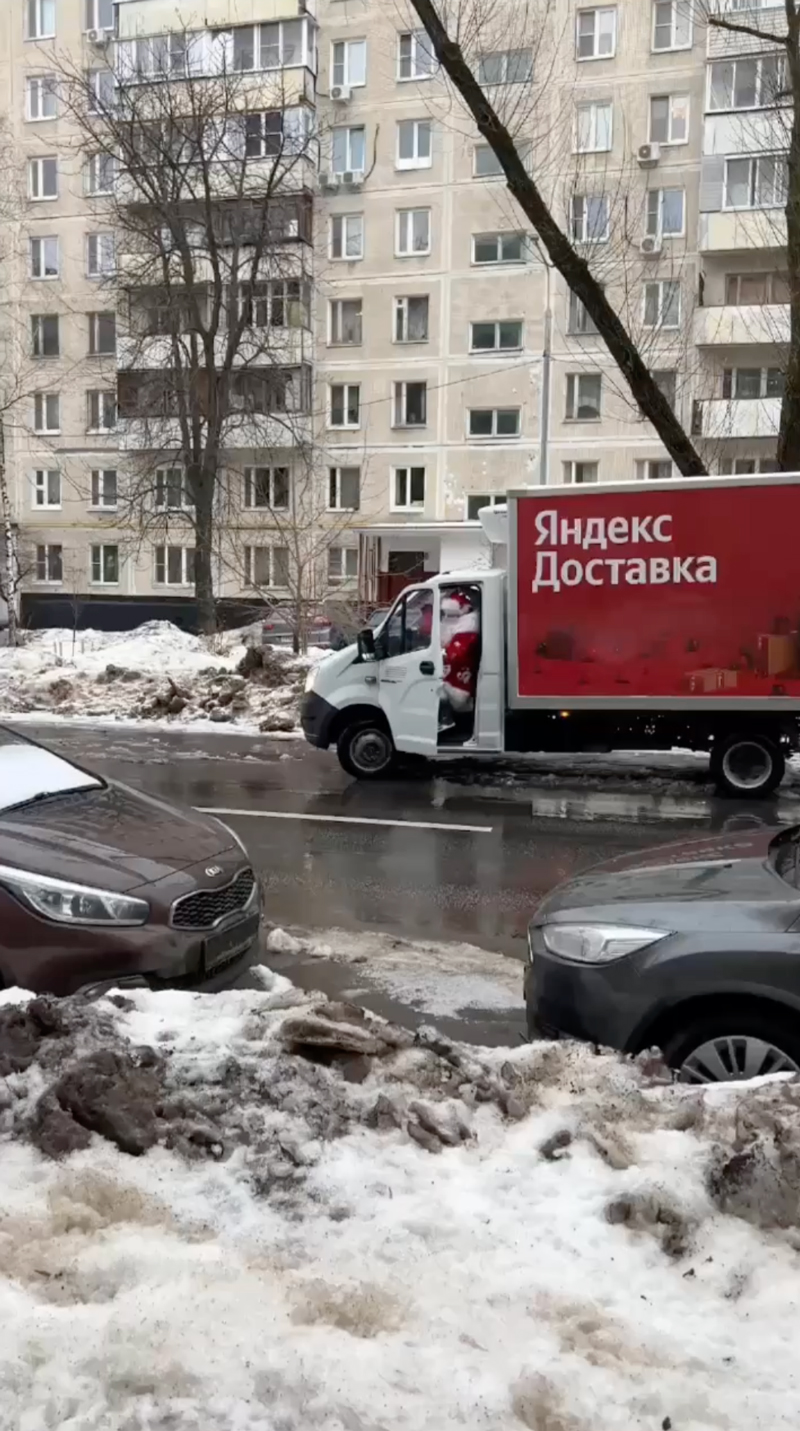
(629, 616)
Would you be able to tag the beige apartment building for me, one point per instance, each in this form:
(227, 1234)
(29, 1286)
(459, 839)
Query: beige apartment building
(434, 318)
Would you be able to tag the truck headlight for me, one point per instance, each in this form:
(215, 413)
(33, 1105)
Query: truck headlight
(597, 943)
(68, 903)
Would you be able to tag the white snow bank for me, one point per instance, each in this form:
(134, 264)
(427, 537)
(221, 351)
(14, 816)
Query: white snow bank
(587, 1282)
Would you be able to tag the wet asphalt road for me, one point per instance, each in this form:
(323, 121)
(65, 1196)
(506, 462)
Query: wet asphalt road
(463, 861)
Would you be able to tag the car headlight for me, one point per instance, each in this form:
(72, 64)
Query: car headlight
(68, 903)
(310, 678)
(597, 943)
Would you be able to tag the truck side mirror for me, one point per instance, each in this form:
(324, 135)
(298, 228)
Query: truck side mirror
(366, 643)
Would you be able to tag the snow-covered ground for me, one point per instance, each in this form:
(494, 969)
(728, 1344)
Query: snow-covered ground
(156, 673)
(333, 1228)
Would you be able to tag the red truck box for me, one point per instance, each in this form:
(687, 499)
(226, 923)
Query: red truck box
(661, 594)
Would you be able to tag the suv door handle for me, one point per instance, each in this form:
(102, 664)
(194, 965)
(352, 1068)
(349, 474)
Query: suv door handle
(427, 668)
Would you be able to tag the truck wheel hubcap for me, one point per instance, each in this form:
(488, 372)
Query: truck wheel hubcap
(733, 1058)
(371, 750)
(747, 765)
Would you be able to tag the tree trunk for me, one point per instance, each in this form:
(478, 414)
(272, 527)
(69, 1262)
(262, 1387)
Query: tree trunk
(202, 491)
(648, 396)
(788, 454)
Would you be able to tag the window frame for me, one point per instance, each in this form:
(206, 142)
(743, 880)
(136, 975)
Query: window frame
(400, 389)
(349, 130)
(417, 160)
(97, 320)
(498, 324)
(576, 308)
(593, 106)
(40, 8)
(101, 548)
(408, 469)
(643, 465)
(346, 44)
(569, 472)
(38, 330)
(734, 61)
(37, 243)
(345, 575)
(670, 142)
(336, 326)
(675, 8)
(101, 394)
(408, 214)
(505, 56)
(40, 424)
(596, 54)
(46, 548)
(253, 480)
(97, 480)
(500, 235)
(42, 85)
(419, 40)
(36, 166)
(662, 284)
(659, 232)
(754, 161)
(335, 476)
(93, 8)
(585, 236)
(343, 220)
(96, 237)
(94, 164)
(494, 435)
(41, 486)
(187, 576)
(574, 401)
(346, 387)
(400, 308)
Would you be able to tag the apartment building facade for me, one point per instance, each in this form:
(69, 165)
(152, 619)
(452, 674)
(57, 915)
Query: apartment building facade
(434, 317)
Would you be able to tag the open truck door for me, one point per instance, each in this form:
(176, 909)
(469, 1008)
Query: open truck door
(409, 670)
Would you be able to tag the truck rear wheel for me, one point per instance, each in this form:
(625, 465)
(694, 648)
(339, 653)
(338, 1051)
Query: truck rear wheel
(366, 750)
(750, 766)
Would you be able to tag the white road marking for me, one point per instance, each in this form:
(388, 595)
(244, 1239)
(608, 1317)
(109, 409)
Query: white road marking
(345, 820)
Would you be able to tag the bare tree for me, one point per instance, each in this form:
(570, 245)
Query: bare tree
(203, 172)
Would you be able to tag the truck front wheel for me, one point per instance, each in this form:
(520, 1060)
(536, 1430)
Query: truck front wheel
(366, 750)
(750, 766)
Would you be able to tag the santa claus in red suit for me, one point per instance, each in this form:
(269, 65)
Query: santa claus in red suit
(460, 633)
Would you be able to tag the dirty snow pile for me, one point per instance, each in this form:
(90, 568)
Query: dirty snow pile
(265, 1212)
(156, 672)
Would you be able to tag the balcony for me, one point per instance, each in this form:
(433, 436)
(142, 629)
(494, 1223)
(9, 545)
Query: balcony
(242, 431)
(722, 418)
(734, 230)
(741, 325)
(268, 348)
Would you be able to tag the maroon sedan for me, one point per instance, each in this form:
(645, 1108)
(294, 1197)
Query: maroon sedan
(102, 887)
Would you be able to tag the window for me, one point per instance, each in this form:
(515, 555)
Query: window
(263, 134)
(44, 257)
(476, 501)
(100, 93)
(347, 236)
(654, 470)
(101, 410)
(750, 383)
(757, 182)
(665, 213)
(345, 321)
(498, 248)
(101, 255)
(411, 320)
(349, 149)
(666, 379)
(669, 118)
(504, 336)
(171, 493)
(408, 488)
(485, 164)
(268, 47)
(415, 57)
(756, 288)
(662, 304)
(44, 335)
(102, 334)
(100, 172)
(506, 67)
(747, 83)
(579, 320)
(99, 15)
(596, 37)
(43, 179)
(49, 563)
(345, 404)
(583, 396)
(408, 627)
(46, 412)
(413, 233)
(41, 18)
(266, 566)
(277, 303)
(266, 488)
(105, 566)
(47, 489)
(493, 422)
(174, 566)
(104, 487)
(342, 564)
(747, 466)
(41, 100)
(410, 404)
(577, 474)
(414, 147)
(344, 489)
(672, 24)
(349, 63)
(593, 127)
(590, 218)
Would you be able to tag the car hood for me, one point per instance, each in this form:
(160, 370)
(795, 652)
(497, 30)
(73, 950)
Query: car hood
(111, 837)
(711, 883)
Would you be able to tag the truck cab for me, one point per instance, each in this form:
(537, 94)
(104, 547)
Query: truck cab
(387, 694)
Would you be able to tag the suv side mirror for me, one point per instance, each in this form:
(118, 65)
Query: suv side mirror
(366, 643)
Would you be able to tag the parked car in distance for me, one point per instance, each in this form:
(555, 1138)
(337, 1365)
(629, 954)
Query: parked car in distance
(101, 887)
(328, 630)
(691, 947)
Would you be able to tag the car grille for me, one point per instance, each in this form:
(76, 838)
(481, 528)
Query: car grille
(205, 908)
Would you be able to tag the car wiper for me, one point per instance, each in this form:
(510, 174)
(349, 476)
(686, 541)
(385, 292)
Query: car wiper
(47, 795)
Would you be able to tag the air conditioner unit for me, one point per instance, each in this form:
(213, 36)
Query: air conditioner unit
(329, 181)
(96, 37)
(341, 93)
(650, 247)
(353, 178)
(647, 155)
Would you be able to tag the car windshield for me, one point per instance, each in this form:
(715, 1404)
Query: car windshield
(29, 773)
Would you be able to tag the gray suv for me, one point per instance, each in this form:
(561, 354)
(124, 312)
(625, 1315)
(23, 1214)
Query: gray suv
(694, 947)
